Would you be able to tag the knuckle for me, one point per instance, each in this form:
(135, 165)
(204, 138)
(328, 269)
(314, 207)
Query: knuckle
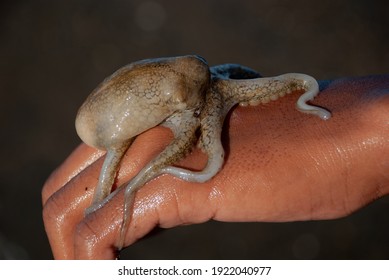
(85, 235)
(52, 210)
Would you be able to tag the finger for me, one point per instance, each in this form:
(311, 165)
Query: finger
(64, 209)
(79, 159)
(157, 204)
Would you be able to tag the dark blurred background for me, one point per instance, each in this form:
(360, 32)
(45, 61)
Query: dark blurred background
(53, 53)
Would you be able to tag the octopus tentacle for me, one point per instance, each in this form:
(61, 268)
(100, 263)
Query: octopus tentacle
(107, 175)
(212, 118)
(312, 90)
(263, 90)
(184, 126)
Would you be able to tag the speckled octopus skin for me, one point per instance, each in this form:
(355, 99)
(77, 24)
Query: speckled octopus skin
(185, 95)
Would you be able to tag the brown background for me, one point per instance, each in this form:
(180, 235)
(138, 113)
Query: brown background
(53, 53)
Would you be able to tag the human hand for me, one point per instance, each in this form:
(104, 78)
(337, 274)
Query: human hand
(280, 165)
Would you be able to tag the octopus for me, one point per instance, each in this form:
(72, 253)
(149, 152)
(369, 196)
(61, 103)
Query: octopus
(187, 96)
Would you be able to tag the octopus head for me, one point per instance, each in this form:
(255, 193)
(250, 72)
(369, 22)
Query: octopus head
(139, 96)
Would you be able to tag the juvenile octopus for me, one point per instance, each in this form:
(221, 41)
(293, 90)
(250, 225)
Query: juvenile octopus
(185, 95)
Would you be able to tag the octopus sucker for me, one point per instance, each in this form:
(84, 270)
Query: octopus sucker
(185, 95)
